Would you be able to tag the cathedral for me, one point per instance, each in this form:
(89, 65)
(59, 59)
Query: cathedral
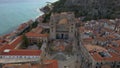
(62, 25)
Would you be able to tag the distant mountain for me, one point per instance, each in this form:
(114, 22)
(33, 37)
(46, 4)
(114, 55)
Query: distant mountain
(91, 9)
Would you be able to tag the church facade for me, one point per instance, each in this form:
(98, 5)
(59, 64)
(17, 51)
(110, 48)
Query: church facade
(62, 25)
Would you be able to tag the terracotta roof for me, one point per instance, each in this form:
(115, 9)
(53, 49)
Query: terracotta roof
(111, 37)
(47, 64)
(95, 50)
(114, 56)
(51, 64)
(117, 49)
(32, 34)
(1, 41)
(38, 29)
(97, 57)
(101, 39)
(118, 42)
(88, 40)
(16, 41)
(22, 52)
(11, 45)
(6, 46)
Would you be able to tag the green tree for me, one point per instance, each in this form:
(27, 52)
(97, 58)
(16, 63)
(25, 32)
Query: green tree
(39, 45)
(34, 24)
(47, 17)
(25, 41)
(90, 9)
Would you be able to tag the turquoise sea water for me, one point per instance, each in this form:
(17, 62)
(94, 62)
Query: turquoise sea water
(15, 12)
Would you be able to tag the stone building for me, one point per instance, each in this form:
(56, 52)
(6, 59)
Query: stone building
(99, 49)
(62, 26)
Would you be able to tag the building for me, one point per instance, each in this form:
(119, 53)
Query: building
(46, 64)
(62, 26)
(99, 47)
(20, 54)
(15, 44)
(12, 54)
(36, 36)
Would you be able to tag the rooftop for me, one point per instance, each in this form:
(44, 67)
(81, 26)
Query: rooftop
(38, 29)
(16, 41)
(97, 48)
(21, 52)
(32, 34)
(102, 54)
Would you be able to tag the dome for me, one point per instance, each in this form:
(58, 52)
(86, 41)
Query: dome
(63, 21)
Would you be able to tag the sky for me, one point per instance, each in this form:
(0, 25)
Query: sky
(8, 1)
(11, 1)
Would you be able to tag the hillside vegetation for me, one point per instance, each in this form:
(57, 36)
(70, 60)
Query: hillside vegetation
(90, 9)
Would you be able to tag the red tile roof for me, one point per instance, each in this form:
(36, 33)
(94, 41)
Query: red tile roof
(97, 57)
(51, 64)
(1, 41)
(113, 57)
(47, 64)
(11, 45)
(32, 34)
(6, 46)
(98, 38)
(22, 52)
(16, 41)
(38, 29)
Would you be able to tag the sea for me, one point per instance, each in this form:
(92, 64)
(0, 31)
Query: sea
(15, 12)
